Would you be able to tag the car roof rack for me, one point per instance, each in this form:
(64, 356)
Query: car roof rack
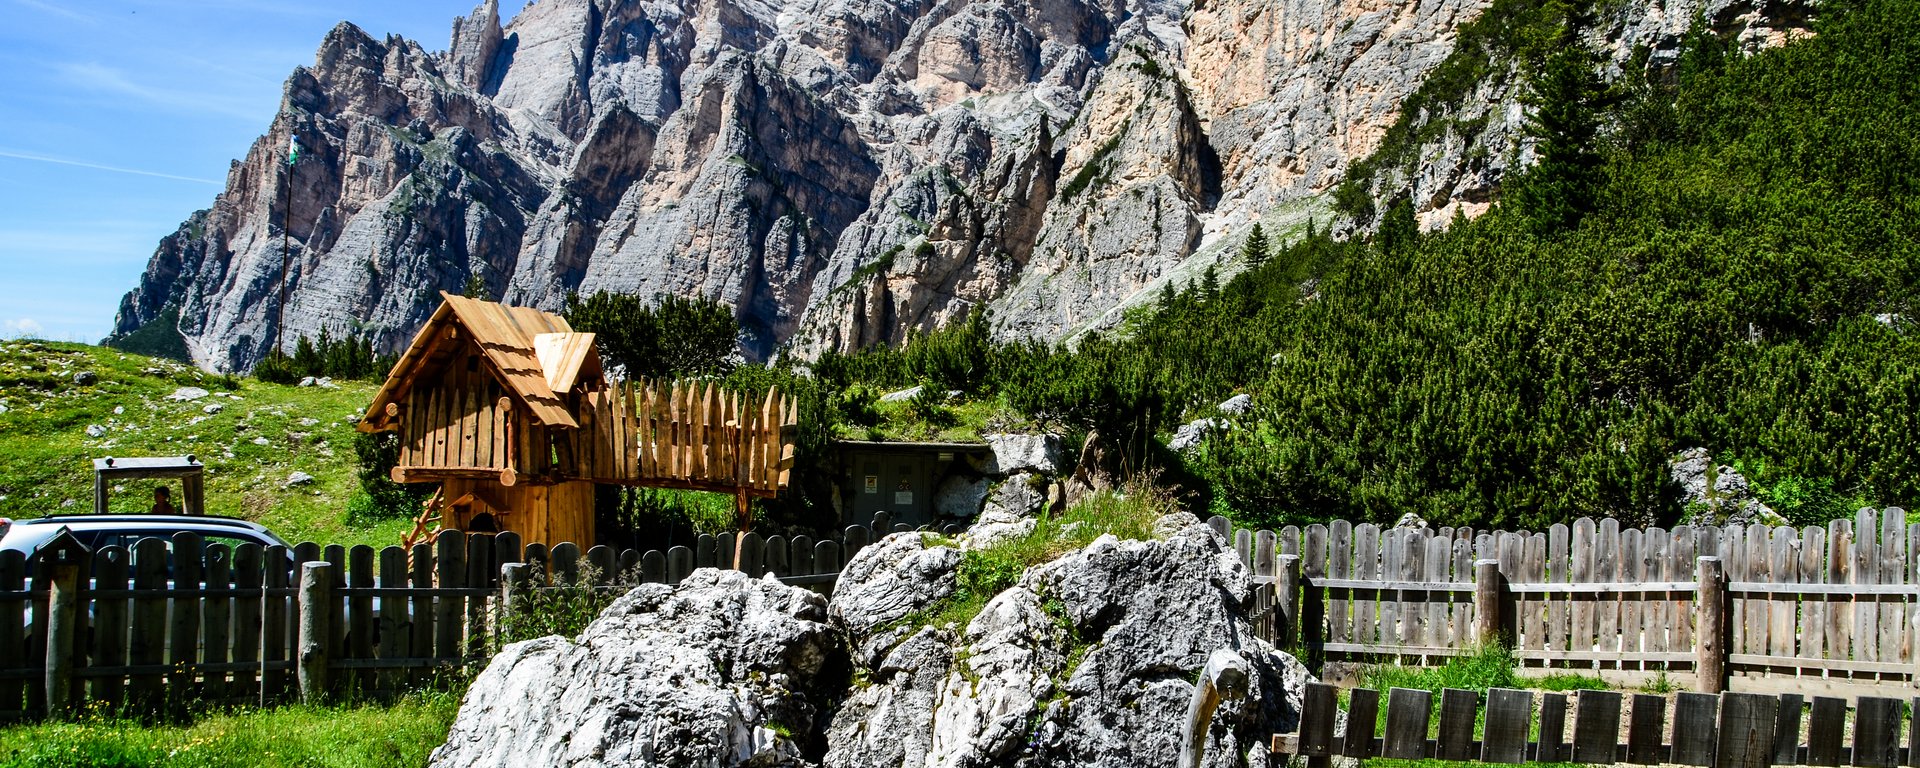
(218, 521)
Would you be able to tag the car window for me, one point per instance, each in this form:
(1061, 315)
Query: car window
(233, 542)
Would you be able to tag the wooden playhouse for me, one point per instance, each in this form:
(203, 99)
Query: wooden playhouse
(512, 412)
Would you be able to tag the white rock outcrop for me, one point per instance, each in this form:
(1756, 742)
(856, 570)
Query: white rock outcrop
(1088, 660)
(707, 673)
(1016, 453)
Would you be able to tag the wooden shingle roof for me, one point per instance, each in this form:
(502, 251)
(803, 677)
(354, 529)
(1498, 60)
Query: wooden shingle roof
(505, 336)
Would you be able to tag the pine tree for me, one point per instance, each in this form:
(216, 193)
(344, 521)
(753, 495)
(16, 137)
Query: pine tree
(1567, 101)
(1399, 230)
(1256, 250)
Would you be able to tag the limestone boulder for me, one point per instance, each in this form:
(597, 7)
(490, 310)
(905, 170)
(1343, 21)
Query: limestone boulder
(1088, 660)
(883, 584)
(712, 672)
(1016, 453)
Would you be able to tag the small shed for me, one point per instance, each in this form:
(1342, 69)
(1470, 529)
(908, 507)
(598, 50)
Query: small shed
(904, 479)
(483, 400)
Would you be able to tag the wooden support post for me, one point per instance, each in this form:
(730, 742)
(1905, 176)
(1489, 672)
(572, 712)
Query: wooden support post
(316, 592)
(1224, 679)
(1287, 588)
(63, 625)
(193, 495)
(513, 595)
(1710, 643)
(743, 518)
(1487, 589)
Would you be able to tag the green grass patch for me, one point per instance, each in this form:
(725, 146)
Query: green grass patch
(1565, 681)
(1489, 667)
(959, 420)
(400, 734)
(260, 434)
(1127, 513)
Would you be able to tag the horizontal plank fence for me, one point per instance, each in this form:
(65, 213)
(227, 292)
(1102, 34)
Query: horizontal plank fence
(1828, 609)
(1727, 730)
(167, 622)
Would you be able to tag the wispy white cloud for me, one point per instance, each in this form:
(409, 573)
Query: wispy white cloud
(103, 167)
(25, 326)
(105, 79)
(56, 10)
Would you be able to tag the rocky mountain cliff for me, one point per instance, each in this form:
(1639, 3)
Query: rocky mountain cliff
(840, 171)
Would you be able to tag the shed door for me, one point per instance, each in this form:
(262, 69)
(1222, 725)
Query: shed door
(898, 485)
(906, 491)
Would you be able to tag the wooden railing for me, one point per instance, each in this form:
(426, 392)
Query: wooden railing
(686, 434)
(1826, 609)
(1726, 730)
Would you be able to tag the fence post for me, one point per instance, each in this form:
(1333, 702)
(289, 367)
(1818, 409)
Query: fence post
(1487, 593)
(513, 595)
(316, 592)
(63, 624)
(1313, 625)
(1710, 642)
(1288, 630)
(1915, 669)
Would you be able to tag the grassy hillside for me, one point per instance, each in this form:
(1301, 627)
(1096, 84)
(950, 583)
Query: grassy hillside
(259, 435)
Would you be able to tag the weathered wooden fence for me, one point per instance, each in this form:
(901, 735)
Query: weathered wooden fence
(1727, 730)
(170, 621)
(1821, 610)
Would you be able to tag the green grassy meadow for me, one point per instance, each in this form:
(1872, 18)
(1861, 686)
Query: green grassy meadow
(369, 736)
(257, 437)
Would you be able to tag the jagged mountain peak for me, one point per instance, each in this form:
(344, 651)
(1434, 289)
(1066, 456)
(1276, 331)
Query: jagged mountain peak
(839, 171)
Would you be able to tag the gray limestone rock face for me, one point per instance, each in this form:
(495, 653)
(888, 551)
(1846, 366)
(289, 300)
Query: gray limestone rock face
(1716, 494)
(1150, 613)
(1016, 498)
(1013, 453)
(476, 41)
(188, 394)
(840, 173)
(901, 395)
(1088, 660)
(709, 673)
(960, 496)
(888, 721)
(1189, 435)
(882, 584)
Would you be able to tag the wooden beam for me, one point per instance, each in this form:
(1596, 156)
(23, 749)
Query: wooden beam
(437, 474)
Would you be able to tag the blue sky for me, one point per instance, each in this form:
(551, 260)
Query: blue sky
(118, 118)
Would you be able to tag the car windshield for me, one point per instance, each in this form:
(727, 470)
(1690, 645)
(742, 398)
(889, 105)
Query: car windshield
(27, 538)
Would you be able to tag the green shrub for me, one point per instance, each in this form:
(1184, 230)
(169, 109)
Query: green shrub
(276, 368)
(668, 337)
(379, 497)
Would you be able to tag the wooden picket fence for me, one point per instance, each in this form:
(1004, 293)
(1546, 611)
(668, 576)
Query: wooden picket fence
(172, 621)
(1728, 730)
(1828, 609)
